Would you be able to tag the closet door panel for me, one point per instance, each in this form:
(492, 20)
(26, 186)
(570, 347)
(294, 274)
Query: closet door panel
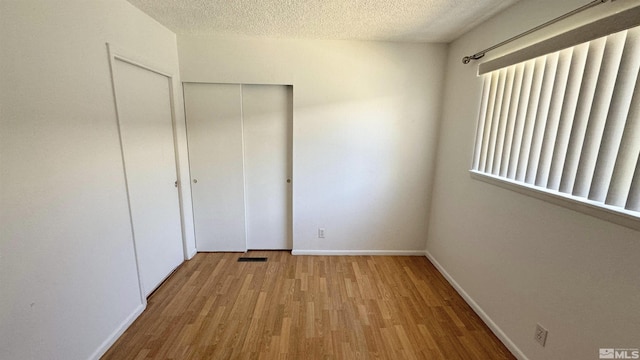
(214, 130)
(267, 118)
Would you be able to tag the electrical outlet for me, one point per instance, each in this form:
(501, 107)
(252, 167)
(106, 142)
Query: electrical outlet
(541, 334)
(320, 233)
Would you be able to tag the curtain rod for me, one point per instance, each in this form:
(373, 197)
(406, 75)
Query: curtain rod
(481, 54)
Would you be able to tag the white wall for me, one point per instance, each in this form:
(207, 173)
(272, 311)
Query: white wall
(67, 270)
(365, 119)
(520, 259)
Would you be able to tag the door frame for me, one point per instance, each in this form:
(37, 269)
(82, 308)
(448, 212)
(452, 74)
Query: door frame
(117, 54)
(290, 138)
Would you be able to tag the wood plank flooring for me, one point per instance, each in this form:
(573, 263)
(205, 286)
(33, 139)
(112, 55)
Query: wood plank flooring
(307, 307)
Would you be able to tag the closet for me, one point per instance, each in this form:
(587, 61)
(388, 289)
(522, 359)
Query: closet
(239, 140)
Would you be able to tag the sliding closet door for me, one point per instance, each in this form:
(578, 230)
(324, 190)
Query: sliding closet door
(267, 116)
(146, 130)
(214, 129)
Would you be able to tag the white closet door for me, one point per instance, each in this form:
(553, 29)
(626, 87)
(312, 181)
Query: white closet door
(267, 116)
(144, 113)
(214, 128)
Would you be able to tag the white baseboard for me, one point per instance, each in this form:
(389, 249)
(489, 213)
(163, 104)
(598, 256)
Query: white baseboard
(359, 252)
(478, 310)
(102, 349)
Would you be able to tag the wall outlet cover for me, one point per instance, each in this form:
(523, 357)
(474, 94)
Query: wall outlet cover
(541, 334)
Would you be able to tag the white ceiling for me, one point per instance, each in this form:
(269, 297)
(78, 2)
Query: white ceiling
(390, 20)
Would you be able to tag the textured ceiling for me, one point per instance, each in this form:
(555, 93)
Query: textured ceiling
(391, 20)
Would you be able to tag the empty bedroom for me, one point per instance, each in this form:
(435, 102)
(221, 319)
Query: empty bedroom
(407, 179)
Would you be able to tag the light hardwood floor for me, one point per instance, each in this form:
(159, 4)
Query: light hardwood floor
(307, 307)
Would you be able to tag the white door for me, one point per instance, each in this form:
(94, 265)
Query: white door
(267, 116)
(240, 158)
(146, 129)
(214, 130)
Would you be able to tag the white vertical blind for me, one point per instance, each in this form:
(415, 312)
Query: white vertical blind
(569, 108)
(502, 127)
(598, 116)
(581, 118)
(553, 119)
(627, 160)
(486, 89)
(486, 132)
(619, 113)
(495, 122)
(511, 121)
(546, 91)
(530, 118)
(568, 121)
(520, 119)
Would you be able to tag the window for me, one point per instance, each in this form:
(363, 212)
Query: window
(567, 124)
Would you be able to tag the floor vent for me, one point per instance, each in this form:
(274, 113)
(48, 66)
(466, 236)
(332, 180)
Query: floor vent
(252, 259)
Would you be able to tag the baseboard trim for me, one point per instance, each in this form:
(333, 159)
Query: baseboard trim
(102, 349)
(478, 310)
(359, 252)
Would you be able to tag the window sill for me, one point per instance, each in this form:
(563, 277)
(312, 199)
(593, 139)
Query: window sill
(627, 218)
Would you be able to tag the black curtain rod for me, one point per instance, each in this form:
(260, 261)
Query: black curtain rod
(481, 54)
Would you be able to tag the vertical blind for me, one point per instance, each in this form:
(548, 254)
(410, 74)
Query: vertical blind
(567, 122)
